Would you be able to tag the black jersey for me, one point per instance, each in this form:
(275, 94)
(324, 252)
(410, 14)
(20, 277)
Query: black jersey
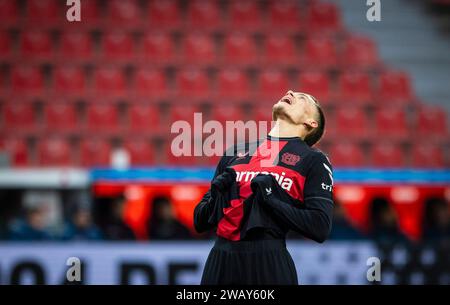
(304, 199)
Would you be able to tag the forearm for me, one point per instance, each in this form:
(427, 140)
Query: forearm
(313, 222)
(202, 214)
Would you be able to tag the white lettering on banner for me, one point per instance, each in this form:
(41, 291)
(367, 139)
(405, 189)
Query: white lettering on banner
(74, 272)
(178, 263)
(374, 271)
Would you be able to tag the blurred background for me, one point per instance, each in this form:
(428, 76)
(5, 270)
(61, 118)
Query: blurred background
(86, 109)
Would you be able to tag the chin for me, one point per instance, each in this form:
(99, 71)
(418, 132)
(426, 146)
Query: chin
(278, 110)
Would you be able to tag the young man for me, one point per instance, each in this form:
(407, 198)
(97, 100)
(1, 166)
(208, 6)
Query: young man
(261, 191)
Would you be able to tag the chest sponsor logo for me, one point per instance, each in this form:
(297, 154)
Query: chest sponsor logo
(284, 182)
(290, 159)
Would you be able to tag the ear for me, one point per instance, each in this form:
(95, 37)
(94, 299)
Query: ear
(311, 123)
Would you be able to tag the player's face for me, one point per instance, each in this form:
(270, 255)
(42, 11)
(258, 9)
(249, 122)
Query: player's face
(296, 107)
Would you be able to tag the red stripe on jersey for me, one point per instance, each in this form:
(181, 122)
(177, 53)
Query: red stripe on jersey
(229, 225)
(261, 162)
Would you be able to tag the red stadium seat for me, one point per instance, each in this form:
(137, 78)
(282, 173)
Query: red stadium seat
(95, 152)
(76, 46)
(16, 149)
(262, 113)
(27, 80)
(150, 83)
(355, 88)
(233, 84)
(103, 118)
(90, 13)
(352, 122)
(273, 85)
(323, 17)
(158, 48)
(9, 12)
(320, 53)
(346, 154)
(44, 12)
(164, 13)
(117, 46)
(199, 49)
(240, 49)
(280, 49)
(6, 48)
(316, 84)
(54, 152)
(284, 15)
(109, 82)
(395, 88)
(69, 81)
(244, 14)
(391, 123)
(141, 151)
(19, 117)
(387, 155)
(427, 156)
(431, 123)
(144, 119)
(204, 14)
(60, 117)
(359, 52)
(232, 113)
(179, 112)
(91, 18)
(124, 13)
(2, 84)
(36, 45)
(192, 83)
(183, 160)
(223, 113)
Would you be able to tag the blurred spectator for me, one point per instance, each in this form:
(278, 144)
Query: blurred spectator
(117, 228)
(342, 229)
(436, 220)
(80, 226)
(384, 225)
(32, 227)
(163, 224)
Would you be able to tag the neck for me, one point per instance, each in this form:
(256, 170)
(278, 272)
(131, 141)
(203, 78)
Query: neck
(283, 129)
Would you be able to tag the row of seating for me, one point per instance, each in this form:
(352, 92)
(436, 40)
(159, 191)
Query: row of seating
(109, 118)
(57, 151)
(194, 48)
(233, 84)
(202, 14)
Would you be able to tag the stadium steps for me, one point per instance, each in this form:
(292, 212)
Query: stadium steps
(408, 38)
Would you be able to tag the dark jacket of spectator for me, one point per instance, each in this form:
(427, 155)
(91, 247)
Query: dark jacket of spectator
(163, 225)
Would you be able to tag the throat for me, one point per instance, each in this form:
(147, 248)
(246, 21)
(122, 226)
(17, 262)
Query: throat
(283, 129)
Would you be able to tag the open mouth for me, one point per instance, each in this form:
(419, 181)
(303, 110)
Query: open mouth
(287, 99)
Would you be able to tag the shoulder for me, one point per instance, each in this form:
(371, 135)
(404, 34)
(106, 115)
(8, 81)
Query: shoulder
(316, 156)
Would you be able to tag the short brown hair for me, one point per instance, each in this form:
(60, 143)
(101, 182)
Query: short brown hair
(314, 136)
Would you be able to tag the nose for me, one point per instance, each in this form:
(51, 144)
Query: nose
(291, 93)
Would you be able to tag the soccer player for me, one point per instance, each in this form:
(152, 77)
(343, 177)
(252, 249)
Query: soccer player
(261, 191)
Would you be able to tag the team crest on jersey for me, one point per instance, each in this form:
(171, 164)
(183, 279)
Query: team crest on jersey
(290, 159)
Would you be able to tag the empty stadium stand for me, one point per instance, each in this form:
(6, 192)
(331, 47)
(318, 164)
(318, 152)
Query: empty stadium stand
(71, 93)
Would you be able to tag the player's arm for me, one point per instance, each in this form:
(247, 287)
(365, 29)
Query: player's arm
(313, 219)
(206, 207)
